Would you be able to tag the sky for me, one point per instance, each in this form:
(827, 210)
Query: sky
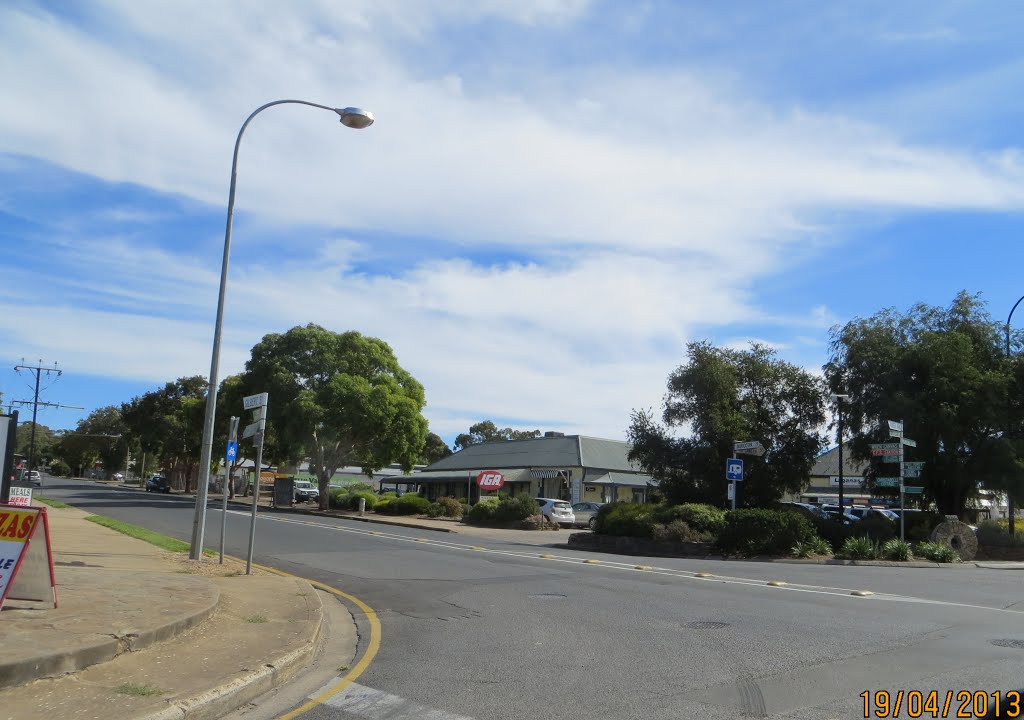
(556, 195)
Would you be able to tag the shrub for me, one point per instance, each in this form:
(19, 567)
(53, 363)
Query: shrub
(705, 519)
(482, 513)
(678, 531)
(812, 547)
(389, 495)
(996, 533)
(896, 549)
(381, 506)
(763, 532)
(405, 505)
(627, 519)
(466, 507)
(833, 531)
(937, 552)
(451, 507)
(60, 468)
(358, 488)
(918, 526)
(513, 509)
(878, 528)
(435, 510)
(369, 497)
(859, 548)
(334, 498)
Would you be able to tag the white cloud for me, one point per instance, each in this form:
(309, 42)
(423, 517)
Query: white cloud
(650, 200)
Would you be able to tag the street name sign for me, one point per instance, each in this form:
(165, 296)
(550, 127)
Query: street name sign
(908, 442)
(913, 489)
(254, 401)
(912, 469)
(887, 482)
(748, 447)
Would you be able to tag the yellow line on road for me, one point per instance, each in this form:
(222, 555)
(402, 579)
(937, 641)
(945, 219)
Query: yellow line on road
(364, 662)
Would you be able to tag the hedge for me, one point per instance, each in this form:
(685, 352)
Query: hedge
(763, 532)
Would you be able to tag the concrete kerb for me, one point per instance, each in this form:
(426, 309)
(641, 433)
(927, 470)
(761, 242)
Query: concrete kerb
(219, 701)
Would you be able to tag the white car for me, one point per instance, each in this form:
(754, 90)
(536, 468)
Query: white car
(305, 491)
(557, 511)
(35, 478)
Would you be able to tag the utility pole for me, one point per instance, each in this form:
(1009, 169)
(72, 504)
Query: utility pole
(38, 370)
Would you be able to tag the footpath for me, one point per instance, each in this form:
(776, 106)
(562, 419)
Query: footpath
(145, 633)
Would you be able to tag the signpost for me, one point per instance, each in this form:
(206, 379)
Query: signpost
(230, 455)
(258, 405)
(734, 474)
(887, 482)
(748, 447)
(912, 469)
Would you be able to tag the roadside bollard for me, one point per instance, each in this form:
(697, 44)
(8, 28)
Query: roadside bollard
(362, 506)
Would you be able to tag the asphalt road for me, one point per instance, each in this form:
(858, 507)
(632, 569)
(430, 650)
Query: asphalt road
(499, 632)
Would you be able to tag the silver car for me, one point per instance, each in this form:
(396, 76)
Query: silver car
(586, 513)
(557, 511)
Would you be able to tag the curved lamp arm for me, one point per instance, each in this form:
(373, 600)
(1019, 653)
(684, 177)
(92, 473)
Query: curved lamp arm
(352, 117)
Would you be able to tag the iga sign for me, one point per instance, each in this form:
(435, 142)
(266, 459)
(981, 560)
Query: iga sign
(490, 480)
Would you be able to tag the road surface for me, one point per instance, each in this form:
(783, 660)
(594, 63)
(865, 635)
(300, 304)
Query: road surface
(499, 632)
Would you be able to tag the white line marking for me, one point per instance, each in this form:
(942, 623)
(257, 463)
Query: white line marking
(373, 704)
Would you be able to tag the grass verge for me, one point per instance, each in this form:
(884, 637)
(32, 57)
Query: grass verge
(52, 503)
(141, 533)
(138, 690)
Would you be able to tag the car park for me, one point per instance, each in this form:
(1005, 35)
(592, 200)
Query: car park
(586, 513)
(305, 491)
(557, 511)
(158, 483)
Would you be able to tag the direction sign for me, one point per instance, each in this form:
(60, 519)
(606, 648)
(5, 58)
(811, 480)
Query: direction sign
(912, 489)
(908, 442)
(254, 401)
(887, 482)
(748, 447)
(884, 446)
(895, 426)
(890, 458)
(734, 469)
(912, 469)
(232, 452)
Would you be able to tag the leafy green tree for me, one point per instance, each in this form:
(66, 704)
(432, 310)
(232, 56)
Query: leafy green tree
(487, 431)
(724, 395)
(99, 437)
(168, 424)
(45, 442)
(434, 449)
(943, 371)
(339, 399)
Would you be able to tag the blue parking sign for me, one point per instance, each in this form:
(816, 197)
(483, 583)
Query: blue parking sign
(734, 469)
(232, 452)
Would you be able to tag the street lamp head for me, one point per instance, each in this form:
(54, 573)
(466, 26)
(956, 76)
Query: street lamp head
(355, 118)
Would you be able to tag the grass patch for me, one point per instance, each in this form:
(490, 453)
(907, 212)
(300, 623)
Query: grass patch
(52, 503)
(256, 619)
(153, 538)
(137, 690)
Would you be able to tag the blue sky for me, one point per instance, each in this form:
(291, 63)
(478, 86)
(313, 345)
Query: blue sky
(555, 198)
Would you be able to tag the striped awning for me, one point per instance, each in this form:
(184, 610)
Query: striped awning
(542, 474)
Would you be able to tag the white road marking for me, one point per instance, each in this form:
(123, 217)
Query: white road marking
(373, 704)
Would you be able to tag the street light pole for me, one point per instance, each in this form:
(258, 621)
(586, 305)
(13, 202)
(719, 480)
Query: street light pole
(350, 117)
(1009, 495)
(839, 405)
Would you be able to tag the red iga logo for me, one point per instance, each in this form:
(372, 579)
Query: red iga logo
(490, 480)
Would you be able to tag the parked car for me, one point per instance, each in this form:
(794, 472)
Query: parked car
(158, 483)
(35, 478)
(586, 513)
(864, 513)
(117, 476)
(811, 511)
(305, 491)
(557, 511)
(848, 517)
